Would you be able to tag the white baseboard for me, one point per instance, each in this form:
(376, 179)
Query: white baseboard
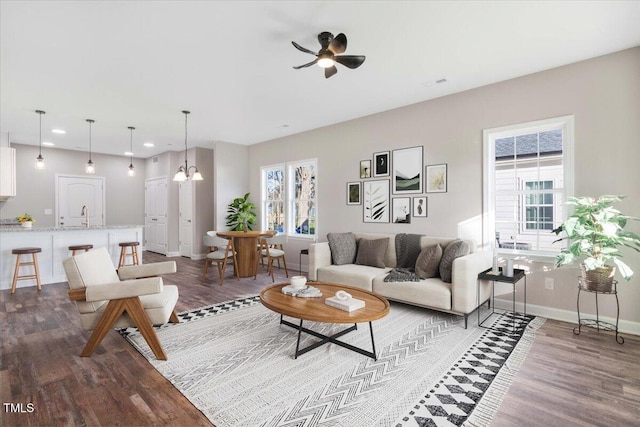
(568, 316)
(172, 254)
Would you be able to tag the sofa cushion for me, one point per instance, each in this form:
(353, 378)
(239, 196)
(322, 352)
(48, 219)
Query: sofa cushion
(359, 276)
(371, 252)
(428, 261)
(343, 247)
(454, 250)
(432, 293)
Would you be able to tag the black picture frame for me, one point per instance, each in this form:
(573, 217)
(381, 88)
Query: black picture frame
(381, 164)
(401, 210)
(354, 192)
(407, 167)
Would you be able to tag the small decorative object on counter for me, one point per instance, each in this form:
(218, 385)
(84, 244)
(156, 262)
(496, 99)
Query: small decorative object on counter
(344, 301)
(26, 220)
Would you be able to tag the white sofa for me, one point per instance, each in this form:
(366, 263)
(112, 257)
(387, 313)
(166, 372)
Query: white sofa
(458, 297)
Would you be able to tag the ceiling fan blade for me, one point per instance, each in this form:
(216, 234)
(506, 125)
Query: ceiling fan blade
(328, 72)
(306, 65)
(303, 49)
(350, 61)
(338, 44)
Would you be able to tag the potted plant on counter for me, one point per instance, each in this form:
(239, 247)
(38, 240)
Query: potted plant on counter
(26, 220)
(241, 214)
(596, 234)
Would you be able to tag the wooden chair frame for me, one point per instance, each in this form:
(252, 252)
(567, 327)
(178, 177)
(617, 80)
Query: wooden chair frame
(264, 246)
(222, 263)
(115, 308)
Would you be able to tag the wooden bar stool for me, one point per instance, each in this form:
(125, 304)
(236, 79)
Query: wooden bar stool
(76, 248)
(124, 254)
(34, 261)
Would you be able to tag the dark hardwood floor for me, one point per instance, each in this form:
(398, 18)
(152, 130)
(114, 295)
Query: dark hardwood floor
(565, 380)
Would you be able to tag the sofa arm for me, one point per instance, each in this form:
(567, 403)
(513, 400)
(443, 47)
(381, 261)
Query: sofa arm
(319, 256)
(464, 281)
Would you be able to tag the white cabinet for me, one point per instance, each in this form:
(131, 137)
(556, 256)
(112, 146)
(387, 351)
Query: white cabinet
(7, 172)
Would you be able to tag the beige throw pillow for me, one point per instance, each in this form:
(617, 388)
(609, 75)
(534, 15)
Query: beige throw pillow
(428, 261)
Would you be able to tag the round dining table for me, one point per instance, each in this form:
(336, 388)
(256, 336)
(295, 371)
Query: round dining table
(246, 244)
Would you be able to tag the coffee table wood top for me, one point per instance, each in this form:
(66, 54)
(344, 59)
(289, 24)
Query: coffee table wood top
(314, 309)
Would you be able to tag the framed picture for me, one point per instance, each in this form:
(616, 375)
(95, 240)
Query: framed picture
(381, 164)
(407, 170)
(376, 201)
(420, 207)
(402, 210)
(353, 193)
(365, 168)
(436, 178)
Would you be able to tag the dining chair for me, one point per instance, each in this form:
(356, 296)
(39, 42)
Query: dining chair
(272, 248)
(219, 251)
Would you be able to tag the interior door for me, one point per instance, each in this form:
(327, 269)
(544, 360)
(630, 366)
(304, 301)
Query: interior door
(155, 218)
(79, 199)
(186, 218)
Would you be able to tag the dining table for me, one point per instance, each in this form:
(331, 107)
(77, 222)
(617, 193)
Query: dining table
(246, 246)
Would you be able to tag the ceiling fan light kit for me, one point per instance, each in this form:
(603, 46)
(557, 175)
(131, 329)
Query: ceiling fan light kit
(328, 55)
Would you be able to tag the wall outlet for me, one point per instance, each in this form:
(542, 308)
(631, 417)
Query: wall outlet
(549, 283)
(48, 211)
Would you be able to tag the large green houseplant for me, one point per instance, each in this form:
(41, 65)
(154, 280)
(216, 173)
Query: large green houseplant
(241, 214)
(595, 232)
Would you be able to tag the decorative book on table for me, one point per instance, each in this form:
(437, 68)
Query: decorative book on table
(350, 304)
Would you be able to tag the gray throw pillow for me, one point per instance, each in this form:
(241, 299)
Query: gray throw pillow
(428, 261)
(343, 247)
(454, 250)
(371, 252)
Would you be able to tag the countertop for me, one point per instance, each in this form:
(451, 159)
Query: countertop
(21, 229)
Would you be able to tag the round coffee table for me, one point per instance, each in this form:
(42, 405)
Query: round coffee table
(315, 309)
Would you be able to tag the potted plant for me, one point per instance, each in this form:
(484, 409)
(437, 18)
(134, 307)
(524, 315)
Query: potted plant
(596, 234)
(241, 214)
(26, 220)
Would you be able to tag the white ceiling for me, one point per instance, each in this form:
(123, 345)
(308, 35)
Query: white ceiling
(139, 63)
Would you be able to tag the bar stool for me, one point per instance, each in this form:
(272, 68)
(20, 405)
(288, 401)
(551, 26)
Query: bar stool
(76, 248)
(34, 261)
(124, 254)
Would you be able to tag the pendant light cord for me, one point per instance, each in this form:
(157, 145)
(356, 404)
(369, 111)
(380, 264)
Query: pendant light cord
(40, 152)
(186, 115)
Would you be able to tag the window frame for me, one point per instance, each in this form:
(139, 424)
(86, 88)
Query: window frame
(523, 210)
(566, 124)
(289, 200)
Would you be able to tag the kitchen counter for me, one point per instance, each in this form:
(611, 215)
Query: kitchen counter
(54, 242)
(19, 228)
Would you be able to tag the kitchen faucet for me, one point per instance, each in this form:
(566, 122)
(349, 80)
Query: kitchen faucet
(85, 213)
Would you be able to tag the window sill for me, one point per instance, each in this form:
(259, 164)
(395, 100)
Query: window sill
(303, 237)
(536, 256)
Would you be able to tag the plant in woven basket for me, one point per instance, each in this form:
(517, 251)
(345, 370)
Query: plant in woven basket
(595, 232)
(241, 214)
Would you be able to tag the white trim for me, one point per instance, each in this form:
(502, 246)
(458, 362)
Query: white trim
(566, 123)
(624, 326)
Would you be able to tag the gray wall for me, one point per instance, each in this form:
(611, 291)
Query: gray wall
(35, 190)
(602, 93)
(231, 179)
(203, 198)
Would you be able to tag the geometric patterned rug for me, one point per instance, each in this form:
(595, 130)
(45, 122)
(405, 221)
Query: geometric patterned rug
(234, 362)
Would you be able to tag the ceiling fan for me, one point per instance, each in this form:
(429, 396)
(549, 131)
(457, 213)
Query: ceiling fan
(328, 55)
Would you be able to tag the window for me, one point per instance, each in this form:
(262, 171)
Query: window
(289, 201)
(528, 176)
(273, 198)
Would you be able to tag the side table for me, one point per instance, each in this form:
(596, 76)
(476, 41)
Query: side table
(518, 275)
(597, 323)
(302, 252)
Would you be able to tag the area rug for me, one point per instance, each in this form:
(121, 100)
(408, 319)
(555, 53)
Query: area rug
(234, 361)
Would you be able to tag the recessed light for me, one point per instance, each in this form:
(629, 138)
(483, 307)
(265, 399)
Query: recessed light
(128, 153)
(60, 131)
(148, 144)
(283, 126)
(439, 81)
(48, 144)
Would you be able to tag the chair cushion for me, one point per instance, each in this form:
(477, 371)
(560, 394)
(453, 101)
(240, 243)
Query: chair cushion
(454, 250)
(218, 255)
(343, 247)
(274, 253)
(428, 261)
(359, 276)
(371, 252)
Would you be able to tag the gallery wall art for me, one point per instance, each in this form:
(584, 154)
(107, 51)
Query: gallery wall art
(353, 193)
(436, 178)
(365, 169)
(401, 210)
(381, 164)
(420, 207)
(407, 170)
(376, 201)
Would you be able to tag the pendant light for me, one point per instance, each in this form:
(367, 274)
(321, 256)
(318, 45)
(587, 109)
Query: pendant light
(132, 171)
(40, 159)
(91, 167)
(183, 171)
